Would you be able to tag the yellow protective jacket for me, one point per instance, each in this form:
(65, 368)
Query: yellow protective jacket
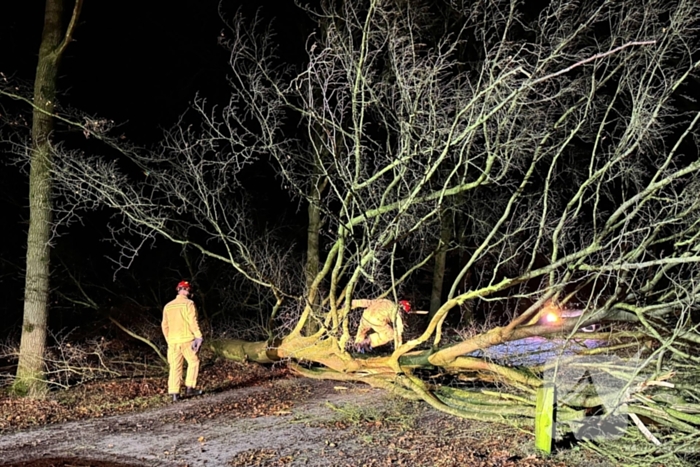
(381, 316)
(180, 321)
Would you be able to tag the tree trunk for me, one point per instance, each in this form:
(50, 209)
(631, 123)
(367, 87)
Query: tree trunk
(313, 255)
(29, 380)
(440, 258)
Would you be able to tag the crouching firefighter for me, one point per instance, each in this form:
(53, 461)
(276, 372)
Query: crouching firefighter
(184, 339)
(381, 322)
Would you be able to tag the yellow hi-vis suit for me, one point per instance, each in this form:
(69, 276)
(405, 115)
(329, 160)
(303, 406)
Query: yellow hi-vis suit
(381, 316)
(180, 328)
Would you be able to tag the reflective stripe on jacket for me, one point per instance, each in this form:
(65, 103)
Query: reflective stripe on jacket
(180, 321)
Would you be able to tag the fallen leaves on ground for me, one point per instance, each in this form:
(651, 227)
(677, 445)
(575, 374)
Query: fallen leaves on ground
(260, 457)
(443, 442)
(400, 433)
(273, 400)
(126, 395)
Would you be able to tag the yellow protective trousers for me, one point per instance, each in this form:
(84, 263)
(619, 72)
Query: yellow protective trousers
(383, 334)
(177, 354)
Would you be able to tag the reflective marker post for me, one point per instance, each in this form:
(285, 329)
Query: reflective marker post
(544, 417)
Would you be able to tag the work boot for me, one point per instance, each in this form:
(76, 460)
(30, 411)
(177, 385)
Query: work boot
(191, 392)
(176, 397)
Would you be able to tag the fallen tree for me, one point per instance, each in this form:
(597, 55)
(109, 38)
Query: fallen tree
(560, 145)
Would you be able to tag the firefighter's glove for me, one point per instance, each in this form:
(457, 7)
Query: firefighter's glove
(196, 344)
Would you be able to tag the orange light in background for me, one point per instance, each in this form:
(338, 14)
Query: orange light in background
(551, 317)
(550, 313)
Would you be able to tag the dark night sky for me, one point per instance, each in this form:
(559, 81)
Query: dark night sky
(138, 63)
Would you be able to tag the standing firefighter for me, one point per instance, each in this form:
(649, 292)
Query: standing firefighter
(184, 339)
(381, 316)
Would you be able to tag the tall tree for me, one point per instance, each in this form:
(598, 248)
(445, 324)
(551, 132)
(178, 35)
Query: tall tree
(54, 41)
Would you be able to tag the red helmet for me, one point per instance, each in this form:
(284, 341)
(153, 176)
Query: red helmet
(405, 305)
(183, 285)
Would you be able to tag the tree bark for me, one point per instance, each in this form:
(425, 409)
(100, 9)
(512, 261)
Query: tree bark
(313, 255)
(440, 259)
(29, 379)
